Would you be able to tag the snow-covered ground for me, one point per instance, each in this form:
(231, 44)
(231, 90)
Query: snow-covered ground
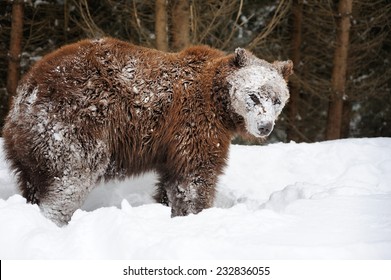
(328, 200)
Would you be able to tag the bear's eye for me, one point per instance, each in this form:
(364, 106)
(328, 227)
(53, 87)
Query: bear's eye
(276, 101)
(255, 99)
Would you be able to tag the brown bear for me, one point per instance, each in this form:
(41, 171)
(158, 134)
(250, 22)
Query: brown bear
(103, 109)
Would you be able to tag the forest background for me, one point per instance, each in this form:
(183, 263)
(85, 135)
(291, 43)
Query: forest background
(341, 49)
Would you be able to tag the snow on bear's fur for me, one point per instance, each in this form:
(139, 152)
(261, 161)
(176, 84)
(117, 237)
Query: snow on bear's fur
(104, 109)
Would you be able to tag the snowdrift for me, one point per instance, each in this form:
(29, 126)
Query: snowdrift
(328, 200)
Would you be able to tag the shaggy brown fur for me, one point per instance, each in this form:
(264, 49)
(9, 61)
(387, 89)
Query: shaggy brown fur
(108, 109)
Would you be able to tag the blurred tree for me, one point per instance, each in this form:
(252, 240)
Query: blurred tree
(295, 53)
(180, 24)
(161, 25)
(14, 56)
(340, 65)
(368, 101)
(15, 46)
(368, 76)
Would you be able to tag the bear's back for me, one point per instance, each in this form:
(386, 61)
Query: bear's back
(132, 98)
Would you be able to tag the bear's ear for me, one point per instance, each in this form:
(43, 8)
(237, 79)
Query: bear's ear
(241, 57)
(285, 68)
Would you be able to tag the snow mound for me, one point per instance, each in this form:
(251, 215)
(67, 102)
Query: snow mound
(328, 200)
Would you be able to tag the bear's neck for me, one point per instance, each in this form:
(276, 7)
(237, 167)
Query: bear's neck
(221, 97)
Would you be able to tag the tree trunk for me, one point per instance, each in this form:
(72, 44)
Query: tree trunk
(15, 46)
(180, 24)
(338, 78)
(66, 20)
(294, 87)
(346, 117)
(161, 25)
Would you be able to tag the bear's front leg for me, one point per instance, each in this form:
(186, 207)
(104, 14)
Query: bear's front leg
(65, 195)
(191, 196)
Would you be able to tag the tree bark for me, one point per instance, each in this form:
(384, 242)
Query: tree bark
(294, 87)
(180, 24)
(15, 46)
(338, 78)
(346, 117)
(161, 25)
(66, 20)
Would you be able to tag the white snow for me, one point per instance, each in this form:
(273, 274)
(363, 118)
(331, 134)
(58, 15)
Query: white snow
(328, 200)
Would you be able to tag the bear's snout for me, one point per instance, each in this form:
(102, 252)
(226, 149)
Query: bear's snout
(265, 128)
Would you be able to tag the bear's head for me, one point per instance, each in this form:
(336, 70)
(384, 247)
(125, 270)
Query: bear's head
(258, 90)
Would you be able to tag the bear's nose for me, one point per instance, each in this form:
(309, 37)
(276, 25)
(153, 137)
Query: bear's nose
(265, 128)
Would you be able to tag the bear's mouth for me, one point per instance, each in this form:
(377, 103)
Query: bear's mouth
(265, 129)
(262, 129)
